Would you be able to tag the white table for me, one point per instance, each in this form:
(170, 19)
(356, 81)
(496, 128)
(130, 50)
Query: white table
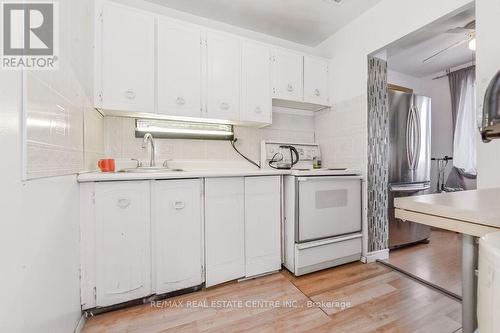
(471, 213)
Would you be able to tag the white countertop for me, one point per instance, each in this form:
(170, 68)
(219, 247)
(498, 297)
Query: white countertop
(470, 212)
(207, 173)
(116, 176)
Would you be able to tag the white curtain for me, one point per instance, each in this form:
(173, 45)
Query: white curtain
(465, 136)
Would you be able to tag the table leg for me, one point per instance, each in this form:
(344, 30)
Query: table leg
(469, 284)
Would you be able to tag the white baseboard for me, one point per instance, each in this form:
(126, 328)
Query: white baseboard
(375, 255)
(81, 323)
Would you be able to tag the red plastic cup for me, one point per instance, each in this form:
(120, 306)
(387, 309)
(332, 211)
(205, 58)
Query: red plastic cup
(106, 165)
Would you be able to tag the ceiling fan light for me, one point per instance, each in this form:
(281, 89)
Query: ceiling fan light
(472, 44)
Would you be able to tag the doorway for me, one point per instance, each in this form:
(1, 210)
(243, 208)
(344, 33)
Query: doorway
(431, 71)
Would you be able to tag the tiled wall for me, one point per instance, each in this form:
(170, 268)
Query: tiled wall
(93, 138)
(58, 103)
(120, 140)
(341, 132)
(378, 160)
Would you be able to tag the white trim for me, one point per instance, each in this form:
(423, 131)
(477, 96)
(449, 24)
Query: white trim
(81, 323)
(22, 124)
(375, 255)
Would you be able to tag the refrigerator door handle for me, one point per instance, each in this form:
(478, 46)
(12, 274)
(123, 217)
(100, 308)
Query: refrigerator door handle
(410, 188)
(409, 144)
(418, 137)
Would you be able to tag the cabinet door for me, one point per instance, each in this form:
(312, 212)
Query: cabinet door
(224, 230)
(316, 80)
(122, 241)
(223, 77)
(179, 69)
(288, 75)
(177, 240)
(256, 103)
(127, 59)
(262, 225)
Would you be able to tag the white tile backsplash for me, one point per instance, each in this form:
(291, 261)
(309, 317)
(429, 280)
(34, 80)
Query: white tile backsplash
(64, 133)
(120, 140)
(341, 133)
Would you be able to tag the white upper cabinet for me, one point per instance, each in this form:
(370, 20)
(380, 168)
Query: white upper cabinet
(123, 265)
(224, 230)
(223, 76)
(179, 69)
(127, 59)
(256, 96)
(146, 62)
(177, 234)
(288, 75)
(316, 80)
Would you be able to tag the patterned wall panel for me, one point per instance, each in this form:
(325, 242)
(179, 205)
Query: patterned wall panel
(378, 164)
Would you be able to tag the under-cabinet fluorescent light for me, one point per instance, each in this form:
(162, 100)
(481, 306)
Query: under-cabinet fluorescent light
(183, 130)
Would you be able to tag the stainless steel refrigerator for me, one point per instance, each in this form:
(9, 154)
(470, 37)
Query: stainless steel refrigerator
(409, 160)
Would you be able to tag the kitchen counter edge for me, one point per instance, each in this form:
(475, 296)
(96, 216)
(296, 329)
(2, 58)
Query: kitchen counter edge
(121, 176)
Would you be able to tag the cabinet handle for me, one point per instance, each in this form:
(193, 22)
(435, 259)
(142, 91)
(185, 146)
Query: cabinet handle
(123, 203)
(180, 101)
(289, 88)
(224, 106)
(317, 92)
(130, 94)
(179, 205)
(258, 110)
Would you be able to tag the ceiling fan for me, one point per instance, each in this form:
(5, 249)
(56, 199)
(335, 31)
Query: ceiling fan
(469, 31)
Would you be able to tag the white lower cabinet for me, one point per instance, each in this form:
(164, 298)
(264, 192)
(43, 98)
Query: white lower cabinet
(224, 230)
(262, 225)
(176, 234)
(148, 237)
(122, 253)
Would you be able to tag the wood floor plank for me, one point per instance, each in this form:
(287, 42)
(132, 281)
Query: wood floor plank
(381, 300)
(439, 262)
(356, 293)
(316, 283)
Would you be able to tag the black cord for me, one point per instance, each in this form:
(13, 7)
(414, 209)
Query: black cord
(272, 160)
(246, 158)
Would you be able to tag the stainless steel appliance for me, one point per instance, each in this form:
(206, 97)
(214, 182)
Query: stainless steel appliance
(322, 212)
(409, 160)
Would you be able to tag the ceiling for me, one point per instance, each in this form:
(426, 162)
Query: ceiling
(307, 22)
(407, 55)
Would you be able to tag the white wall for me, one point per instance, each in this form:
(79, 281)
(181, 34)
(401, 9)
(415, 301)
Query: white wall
(441, 121)
(120, 140)
(39, 242)
(404, 80)
(381, 25)
(487, 64)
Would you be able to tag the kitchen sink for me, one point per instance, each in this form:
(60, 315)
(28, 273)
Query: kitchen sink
(151, 170)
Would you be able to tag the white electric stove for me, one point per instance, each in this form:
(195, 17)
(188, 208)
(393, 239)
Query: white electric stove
(322, 212)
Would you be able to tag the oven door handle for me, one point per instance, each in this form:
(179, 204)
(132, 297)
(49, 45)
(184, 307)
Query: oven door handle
(409, 188)
(316, 178)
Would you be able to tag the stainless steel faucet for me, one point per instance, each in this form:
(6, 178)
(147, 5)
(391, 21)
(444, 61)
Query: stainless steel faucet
(149, 137)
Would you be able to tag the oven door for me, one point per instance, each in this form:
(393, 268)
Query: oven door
(327, 207)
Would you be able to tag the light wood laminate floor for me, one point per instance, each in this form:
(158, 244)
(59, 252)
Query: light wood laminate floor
(439, 262)
(353, 298)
